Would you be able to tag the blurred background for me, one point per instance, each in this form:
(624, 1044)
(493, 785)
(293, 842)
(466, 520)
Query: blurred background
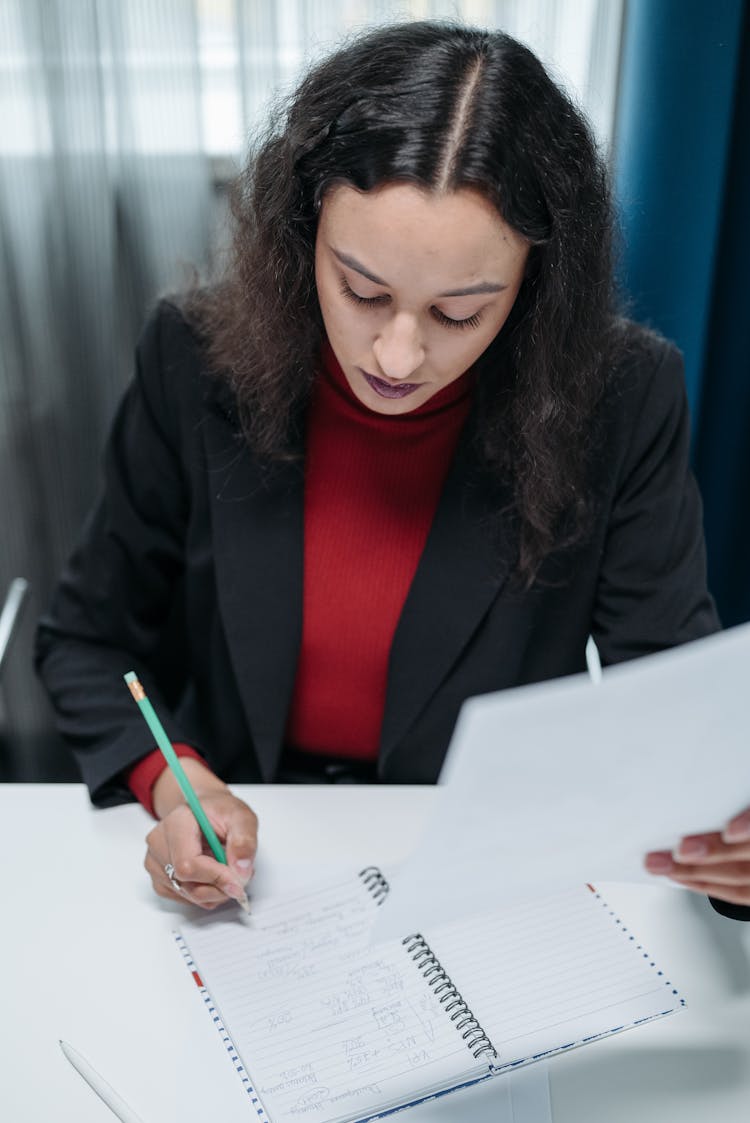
(121, 123)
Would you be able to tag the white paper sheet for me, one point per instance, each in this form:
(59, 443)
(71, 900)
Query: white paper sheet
(555, 784)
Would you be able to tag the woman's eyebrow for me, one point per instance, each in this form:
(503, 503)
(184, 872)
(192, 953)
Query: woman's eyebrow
(470, 290)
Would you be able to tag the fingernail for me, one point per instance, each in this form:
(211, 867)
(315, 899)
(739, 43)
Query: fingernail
(244, 869)
(691, 848)
(235, 892)
(738, 830)
(658, 863)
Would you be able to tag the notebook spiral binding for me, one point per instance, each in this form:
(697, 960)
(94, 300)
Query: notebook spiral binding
(449, 997)
(375, 883)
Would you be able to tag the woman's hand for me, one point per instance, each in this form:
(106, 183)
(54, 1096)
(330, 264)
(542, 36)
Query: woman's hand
(177, 840)
(715, 864)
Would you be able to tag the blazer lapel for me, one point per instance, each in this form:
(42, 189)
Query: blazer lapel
(257, 518)
(257, 532)
(466, 561)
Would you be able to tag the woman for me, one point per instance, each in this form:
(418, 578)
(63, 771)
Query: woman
(403, 454)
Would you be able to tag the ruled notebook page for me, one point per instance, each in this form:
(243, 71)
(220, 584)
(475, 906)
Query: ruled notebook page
(327, 1028)
(330, 1029)
(552, 974)
(287, 938)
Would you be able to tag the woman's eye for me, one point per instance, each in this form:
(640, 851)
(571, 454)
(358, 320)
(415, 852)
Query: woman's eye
(469, 322)
(374, 301)
(350, 294)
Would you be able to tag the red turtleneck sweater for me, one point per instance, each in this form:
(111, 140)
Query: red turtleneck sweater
(372, 484)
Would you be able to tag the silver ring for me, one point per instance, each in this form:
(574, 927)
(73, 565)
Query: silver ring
(169, 871)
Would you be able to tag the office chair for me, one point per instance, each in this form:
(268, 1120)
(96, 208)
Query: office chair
(11, 614)
(14, 601)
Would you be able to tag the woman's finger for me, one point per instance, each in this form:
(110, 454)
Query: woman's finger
(242, 841)
(159, 880)
(194, 874)
(237, 826)
(164, 875)
(166, 892)
(728, 881)
(203, 871)
(710, 848)
(205, 880)
(729, 872)
(207, 896)
(738, 828)
(733, 895)
(192, 866)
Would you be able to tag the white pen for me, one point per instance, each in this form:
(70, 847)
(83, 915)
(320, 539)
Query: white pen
(104, 1091)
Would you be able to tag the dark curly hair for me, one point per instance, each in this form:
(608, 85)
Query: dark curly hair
(444, 107)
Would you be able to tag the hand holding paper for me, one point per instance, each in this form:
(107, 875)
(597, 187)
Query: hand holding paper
(553, 785)
(716, 864)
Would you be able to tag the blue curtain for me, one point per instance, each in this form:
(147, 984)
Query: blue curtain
(722, 459)
(682, 175)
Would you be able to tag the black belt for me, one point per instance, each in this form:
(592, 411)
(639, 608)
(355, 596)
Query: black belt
(312, 768)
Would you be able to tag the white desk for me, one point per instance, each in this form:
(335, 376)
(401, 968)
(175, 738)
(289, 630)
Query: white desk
(87, 955)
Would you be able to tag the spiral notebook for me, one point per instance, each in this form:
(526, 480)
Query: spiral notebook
(320, 1026)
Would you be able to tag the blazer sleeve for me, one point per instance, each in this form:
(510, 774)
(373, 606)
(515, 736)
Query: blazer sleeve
(651, 591)
(117, 591)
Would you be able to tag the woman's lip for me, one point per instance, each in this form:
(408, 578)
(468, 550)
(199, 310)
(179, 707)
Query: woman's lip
(388, 389)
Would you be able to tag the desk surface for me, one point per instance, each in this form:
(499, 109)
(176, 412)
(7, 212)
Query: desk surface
(88, 956)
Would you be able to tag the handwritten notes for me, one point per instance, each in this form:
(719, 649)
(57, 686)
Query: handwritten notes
(328, 1028)
(332, 1029)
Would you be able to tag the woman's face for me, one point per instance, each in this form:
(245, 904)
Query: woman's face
(413, 287)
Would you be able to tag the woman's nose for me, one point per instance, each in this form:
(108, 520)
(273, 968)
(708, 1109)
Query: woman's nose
(398, 348)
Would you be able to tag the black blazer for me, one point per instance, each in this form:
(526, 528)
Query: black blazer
(189, 571)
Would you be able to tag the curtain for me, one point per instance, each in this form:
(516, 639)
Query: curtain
(682, 153)
(722, 459)
(117, 121)
(95, 217)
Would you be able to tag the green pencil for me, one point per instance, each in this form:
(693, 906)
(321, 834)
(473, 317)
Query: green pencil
(160, 736)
